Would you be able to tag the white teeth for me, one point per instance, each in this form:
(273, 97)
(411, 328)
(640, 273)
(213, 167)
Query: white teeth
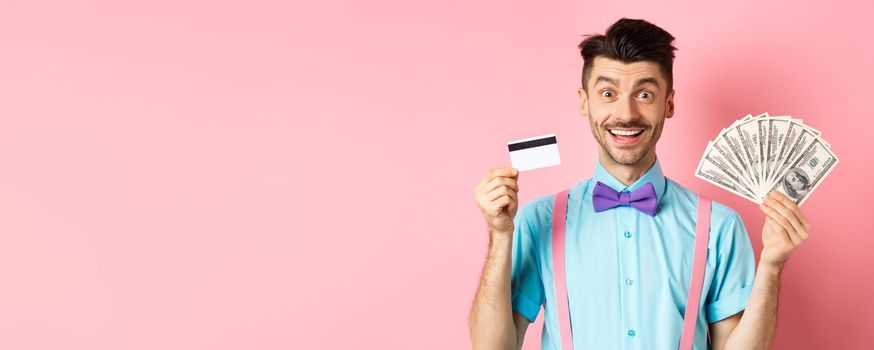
(625, 132)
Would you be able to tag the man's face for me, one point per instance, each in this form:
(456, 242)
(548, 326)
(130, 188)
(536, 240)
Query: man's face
(626, 105)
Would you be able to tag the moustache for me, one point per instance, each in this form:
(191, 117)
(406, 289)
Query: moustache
(628, 126)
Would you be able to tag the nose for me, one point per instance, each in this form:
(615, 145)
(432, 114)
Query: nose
(626, 109)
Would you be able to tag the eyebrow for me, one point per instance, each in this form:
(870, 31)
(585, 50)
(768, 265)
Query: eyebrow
(606, 79)
(640, 82)
(647, 81)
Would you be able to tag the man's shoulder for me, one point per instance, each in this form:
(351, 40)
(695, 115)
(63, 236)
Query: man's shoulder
(721, 214)
(543, 203)
(538, 211)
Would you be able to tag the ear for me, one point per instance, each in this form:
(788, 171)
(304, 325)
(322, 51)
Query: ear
(584, 102)
(669, 112)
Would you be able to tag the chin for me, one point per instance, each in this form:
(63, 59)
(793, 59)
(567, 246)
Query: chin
(627, 161)
(630, 157)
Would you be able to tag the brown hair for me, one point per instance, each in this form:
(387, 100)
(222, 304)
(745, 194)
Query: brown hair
(628, 41)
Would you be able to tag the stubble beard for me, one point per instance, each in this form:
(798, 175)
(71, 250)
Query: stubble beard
(626, 157)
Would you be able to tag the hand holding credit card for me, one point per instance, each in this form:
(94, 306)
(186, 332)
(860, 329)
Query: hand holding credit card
(534, 152)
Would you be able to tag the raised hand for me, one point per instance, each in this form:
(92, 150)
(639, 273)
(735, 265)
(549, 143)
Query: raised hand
(784, 231)
(497, 199)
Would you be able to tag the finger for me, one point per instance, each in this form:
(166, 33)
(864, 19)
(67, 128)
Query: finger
(790, 204)
(776, 228)
(501, 191)
(786, 201)
(509, 171)
(787, 213)
(485, 180)
(786, 206)
(779, 231)
(784, 234)
(498, 205)
(493, 173)
(794, 236)
(500, 181)
(777, 217)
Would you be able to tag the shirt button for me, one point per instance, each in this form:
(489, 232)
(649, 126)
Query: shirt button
(631, 333)
(629, 281)
(627, 234)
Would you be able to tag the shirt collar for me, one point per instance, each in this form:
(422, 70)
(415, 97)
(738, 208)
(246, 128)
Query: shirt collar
(654, 175)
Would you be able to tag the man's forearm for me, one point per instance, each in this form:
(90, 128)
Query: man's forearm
(758, 325)
(491, 319)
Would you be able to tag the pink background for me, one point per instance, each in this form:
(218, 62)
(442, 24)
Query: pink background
(209, 175)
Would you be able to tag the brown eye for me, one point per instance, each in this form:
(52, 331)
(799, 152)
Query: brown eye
(644, 94)
(607, 93)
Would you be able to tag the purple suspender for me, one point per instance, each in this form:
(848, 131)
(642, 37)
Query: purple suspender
(702, 226)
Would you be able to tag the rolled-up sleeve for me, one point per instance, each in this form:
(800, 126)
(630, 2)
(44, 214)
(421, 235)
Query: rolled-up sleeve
(525, 282)
(735, 270)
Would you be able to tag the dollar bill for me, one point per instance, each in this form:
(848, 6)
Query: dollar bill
(788, 140)
(732, 138)
(762, 126)
(800, 143)
(748, 135)
(778, 127)
(759, 154)
(728, 156)
(714, 169)
(806, 173)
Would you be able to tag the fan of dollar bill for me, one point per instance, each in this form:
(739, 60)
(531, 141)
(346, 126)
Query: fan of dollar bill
(760, 154)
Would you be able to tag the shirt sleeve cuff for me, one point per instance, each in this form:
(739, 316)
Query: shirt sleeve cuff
(525, 306)
(728, 305)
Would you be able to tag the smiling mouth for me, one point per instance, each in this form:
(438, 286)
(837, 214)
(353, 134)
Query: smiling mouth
(626, 136)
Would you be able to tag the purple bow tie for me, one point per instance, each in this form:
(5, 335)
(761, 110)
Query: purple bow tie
(643, 198)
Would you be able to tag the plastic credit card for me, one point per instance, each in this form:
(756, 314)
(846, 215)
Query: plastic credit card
(534, 152)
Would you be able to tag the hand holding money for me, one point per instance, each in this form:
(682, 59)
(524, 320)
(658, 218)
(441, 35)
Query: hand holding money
(784, 230)
(760, 154)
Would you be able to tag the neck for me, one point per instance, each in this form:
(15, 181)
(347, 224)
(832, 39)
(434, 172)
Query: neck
(628, 174)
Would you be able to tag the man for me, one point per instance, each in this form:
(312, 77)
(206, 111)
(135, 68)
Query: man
(628, 271)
